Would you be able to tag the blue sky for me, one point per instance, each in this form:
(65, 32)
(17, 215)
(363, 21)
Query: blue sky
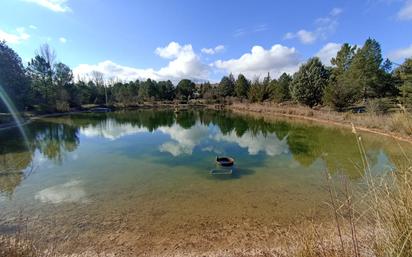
(201, 39)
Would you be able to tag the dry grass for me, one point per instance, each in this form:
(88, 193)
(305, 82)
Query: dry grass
(19, 243)
(17, 247)
(390, 201)
(382, 229)
(347, 236)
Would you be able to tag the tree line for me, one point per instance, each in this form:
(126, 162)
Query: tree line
(358, 75)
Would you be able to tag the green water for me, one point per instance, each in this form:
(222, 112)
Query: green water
(145, 175)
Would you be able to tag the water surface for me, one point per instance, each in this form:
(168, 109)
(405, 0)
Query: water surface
(141, 180)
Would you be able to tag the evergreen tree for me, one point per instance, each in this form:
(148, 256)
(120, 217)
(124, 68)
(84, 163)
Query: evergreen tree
(309, 83)
(364, 72)
(265, 89)
(226, 86)
(253, 94)
(404, 76)
(41, 74)
(13, 79)
(343, 60)
(148, 90)
(387, 85)
(63, 78)
(281, 88)
(340, 92)
(63, 75)
(166, 90)
(185, 89)
(241, 86)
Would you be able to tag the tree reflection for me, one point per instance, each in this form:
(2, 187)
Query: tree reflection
(53, 140)
(186, 119)
(50, 139)
(306, 143)
(11, 167)
(14, 158)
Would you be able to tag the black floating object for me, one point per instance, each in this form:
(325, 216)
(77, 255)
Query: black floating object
(225, 161)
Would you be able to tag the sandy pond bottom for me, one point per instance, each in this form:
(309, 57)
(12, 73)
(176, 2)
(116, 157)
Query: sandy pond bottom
(138, 183)
(182, 214)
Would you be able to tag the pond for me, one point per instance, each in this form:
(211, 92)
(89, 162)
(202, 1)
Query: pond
(140, 180)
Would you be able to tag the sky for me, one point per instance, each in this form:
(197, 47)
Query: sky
(201, 40)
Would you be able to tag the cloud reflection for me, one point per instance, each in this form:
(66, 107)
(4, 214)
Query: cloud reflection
(71, 191)
(110, 129)
(269, 144)
(185, 140)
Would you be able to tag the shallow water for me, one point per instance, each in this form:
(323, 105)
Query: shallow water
(141, 179)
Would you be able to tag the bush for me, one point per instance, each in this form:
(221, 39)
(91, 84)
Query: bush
(378, 105)
(62, 106)
(340, 95)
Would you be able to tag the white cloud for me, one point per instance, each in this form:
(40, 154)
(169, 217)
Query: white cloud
(54, 5)
(113, 70)
(327, 52)
(14, 38)
(324, 27)
(336, 11)
(62, 40)
(259, 61)
(71, 191)
(250, 30)
(184, 64)
(174, 50)
(306, 37)
(215, 50)
(32, 26)
(401, 53)
(260, 28)
(240, 32)
(208, 50)
(406, 12)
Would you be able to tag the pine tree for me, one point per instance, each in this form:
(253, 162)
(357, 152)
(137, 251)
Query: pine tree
(241, 86)
(227, 86)
(281, 88)
(309, 83)
(12, 78)
(340, 93)
(364, 72)
(404, 75)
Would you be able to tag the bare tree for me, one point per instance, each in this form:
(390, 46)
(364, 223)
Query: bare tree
(98, 79)
(48, 54)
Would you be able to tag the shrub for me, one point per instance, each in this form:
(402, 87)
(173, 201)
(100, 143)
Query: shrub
(378, 106)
